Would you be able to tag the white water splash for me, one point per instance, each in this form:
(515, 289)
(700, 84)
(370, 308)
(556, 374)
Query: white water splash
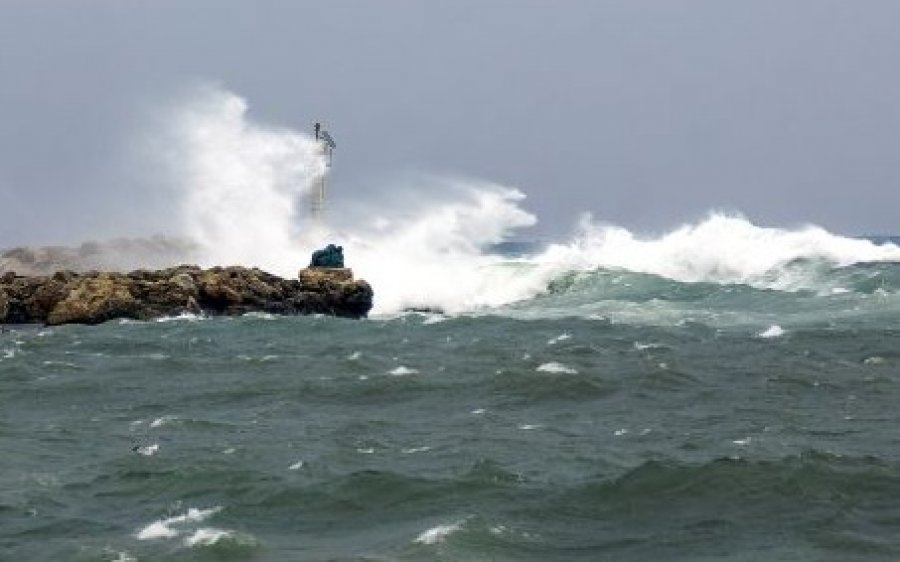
(240, 181)
(167, 527)
(439, 533)
(556, 368)
(720, 249)
(773, 331)
(423, 244)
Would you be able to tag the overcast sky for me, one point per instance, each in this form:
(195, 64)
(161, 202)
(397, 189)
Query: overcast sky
(647, 113)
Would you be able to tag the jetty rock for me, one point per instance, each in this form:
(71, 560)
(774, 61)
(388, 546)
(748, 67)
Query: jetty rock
(93, 297)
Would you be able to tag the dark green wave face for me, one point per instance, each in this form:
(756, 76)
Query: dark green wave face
(616, 416)
(808, 293)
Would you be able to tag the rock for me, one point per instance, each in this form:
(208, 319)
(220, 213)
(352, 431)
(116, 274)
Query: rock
(95, 300)
(320, 279)
(330, 256)
(46, 296)
(94, 297)
(336, 285)
(4, 306)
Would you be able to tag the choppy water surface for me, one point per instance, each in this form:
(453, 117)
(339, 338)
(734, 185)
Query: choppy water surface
(616, 417)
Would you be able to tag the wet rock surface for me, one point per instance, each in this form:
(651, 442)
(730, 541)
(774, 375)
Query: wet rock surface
(94, 297)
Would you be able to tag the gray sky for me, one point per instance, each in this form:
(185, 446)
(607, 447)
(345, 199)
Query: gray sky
(645, 112)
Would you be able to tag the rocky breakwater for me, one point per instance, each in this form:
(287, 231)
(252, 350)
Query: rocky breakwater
(94, 297)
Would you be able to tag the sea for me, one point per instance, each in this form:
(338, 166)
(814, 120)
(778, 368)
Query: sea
(720, 390)
(613, 415)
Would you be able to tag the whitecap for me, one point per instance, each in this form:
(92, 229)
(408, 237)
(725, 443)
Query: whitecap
(773, 331)
(123, 556)
(365, 451)
(433, 319)
(159, 422)
(529, 426)
(296, 466)
(183, 317)
(62, 364)
(354, 356)
(157, 530)
(148, 450)
(402, 370)
(742, 442)
(438, 534)
(642, 346)
(620, 432)
(554, 367)
(562, 337)
(478, 411)
(207, 536)
(412, 450)
(163, 528)
(259, 315)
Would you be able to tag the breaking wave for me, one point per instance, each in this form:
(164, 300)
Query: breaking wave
(427, 242)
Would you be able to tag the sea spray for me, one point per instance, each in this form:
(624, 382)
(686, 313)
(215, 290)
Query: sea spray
(722, 248)
(425, 243)
(240, 182)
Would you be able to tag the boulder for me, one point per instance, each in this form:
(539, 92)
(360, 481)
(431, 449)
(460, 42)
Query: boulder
(94, 300)
(48, 294)
(94, 297)
(321, 279)
(321, 286)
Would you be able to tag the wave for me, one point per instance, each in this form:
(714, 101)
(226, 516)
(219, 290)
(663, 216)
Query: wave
(426, 242)
(431, 243)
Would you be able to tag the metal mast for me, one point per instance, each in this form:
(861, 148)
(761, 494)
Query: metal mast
(317, 197)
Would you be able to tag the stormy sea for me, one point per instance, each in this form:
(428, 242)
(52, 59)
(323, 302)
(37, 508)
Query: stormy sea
(719, 391)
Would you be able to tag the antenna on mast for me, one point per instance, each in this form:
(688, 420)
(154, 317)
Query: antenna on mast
(326, 145)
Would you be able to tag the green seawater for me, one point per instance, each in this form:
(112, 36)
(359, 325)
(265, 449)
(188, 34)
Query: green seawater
(616, 417)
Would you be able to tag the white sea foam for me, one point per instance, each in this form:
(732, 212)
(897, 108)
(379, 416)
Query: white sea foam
(159, 422)
(773, 331)
(260, 315)
(559, 338)
(296, 466)
(169, 526)
(421, 242)
(402, 371)
(123, 556)
(413, 450)
(555, 367)
(439, 533)
(183, 317)
(148, 450)
(207, 536)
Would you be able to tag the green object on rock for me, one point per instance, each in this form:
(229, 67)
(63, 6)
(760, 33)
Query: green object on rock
(330, 256)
